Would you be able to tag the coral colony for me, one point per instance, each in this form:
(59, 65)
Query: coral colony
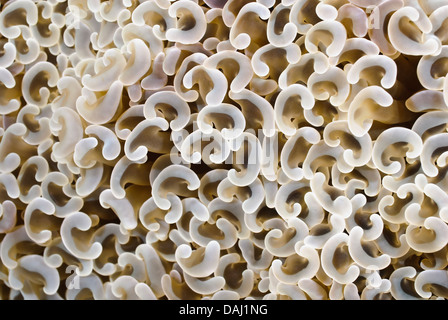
(213, 149)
